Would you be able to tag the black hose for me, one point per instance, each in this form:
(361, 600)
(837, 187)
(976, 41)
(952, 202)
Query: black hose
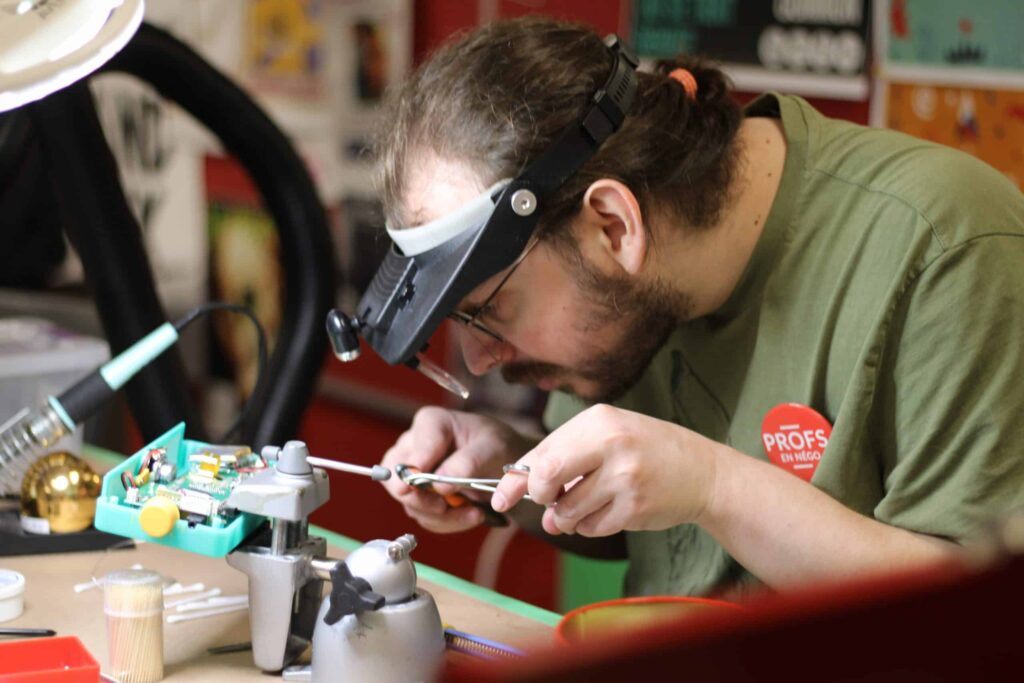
(95, 215)
(182, 76)
(261, 352)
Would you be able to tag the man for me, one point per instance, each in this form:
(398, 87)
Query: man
(705, 267)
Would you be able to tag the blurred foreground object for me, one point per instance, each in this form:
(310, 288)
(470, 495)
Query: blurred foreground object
(941, 623)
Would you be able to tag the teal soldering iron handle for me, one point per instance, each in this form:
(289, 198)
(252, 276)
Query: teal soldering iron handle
(31, 432)
(99, 386)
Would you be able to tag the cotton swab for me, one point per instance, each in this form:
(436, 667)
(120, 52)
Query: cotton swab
(87, 585)
(175, 618)
(214, 602)
(213, 592)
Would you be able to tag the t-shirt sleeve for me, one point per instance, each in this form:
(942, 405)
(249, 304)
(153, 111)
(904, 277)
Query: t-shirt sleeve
(560, 408)
(951, 394)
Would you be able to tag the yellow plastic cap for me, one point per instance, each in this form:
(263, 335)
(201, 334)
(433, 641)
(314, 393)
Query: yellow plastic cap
(158, 516)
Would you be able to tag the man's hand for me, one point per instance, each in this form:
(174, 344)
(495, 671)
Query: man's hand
(465, 445)
(623, 470)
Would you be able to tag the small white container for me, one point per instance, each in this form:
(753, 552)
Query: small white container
(12, 594)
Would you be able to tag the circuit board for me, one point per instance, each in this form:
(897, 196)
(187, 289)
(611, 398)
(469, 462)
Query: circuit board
(199, 493)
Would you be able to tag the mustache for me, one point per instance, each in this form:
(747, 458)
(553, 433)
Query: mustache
(529, 372)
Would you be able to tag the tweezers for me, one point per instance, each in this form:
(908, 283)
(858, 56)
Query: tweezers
(413, 477)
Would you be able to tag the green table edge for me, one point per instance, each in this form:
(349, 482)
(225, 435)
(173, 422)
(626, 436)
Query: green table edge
(523, 609)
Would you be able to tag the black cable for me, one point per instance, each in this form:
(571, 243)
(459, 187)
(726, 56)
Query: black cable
(290, 196)
(203, 309)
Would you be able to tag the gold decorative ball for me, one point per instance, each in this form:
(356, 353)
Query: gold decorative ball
(61, 489)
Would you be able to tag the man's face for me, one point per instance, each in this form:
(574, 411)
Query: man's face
(565, 325)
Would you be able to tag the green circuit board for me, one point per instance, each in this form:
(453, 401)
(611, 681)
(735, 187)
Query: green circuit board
(200, 486)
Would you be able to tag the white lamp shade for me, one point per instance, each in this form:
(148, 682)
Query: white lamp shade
(46, 45)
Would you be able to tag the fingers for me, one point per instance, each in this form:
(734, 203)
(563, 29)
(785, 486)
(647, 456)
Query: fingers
(605, 521)
(427, 441)
(430, 440)
(423, 503)
(555, 462)
(460, 464)
(586, 497)
(432, 512)
(450, 521)
(511, 488)
(451, 444)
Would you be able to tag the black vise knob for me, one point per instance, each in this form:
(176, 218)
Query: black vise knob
(350, 595)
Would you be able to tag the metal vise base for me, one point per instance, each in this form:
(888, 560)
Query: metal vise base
(284, 598)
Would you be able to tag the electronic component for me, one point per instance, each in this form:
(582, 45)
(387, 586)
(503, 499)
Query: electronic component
(165, 472)
(197, 502)
(197, 493)
(195, 518)
(205, 464)
(158, 516)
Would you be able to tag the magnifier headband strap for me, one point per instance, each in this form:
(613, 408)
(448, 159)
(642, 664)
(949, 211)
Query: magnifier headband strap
(606, 113)
(577, 144)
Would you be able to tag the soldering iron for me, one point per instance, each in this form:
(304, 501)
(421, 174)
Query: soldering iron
(30, 432)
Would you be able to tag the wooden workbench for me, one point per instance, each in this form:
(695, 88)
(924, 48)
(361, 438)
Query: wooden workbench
(50, 602)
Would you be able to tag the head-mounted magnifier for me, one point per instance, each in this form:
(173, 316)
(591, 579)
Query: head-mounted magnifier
(431, 268)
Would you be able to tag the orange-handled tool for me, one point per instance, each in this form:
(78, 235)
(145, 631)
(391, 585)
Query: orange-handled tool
(426, 480)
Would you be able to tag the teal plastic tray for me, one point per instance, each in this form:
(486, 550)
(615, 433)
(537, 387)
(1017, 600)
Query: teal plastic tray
(115, 516)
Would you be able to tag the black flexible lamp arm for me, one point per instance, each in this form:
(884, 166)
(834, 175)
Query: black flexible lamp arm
(182, 76)
(96, 217)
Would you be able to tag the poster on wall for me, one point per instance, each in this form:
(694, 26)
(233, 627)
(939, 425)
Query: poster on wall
(158, 159)
(284, 47)
(955, 34)
(987, 123)
(953, 72)
(374, 44)
(805, 47)
(245, 266)
(951, 42)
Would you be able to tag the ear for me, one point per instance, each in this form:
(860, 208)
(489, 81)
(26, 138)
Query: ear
(611, 226)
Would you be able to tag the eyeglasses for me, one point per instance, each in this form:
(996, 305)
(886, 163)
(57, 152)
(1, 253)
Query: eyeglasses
(472, 322)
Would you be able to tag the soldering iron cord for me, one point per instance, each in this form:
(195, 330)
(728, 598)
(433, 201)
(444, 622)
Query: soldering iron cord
(95, 389)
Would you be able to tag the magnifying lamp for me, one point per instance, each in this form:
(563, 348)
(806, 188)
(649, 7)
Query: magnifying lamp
(46, 45)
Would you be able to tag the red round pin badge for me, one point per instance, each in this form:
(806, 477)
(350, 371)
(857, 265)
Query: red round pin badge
(794, 438)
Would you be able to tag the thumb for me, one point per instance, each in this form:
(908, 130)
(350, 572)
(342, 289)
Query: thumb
(461, 463)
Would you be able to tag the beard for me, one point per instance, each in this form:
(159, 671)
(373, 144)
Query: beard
(642, 316)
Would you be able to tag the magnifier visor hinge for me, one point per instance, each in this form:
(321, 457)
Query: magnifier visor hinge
(523, 202)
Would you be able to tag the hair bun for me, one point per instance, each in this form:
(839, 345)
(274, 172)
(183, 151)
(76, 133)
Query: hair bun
(712, 83)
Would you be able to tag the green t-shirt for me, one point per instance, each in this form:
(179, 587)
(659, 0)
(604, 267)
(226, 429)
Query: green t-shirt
(887, 293)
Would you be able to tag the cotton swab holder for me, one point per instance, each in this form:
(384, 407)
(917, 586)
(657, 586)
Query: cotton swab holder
(133, 601)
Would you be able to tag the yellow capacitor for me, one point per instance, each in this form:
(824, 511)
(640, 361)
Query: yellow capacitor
(158, 516)
(208, 464)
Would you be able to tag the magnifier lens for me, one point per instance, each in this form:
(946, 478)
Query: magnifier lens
(441, 377)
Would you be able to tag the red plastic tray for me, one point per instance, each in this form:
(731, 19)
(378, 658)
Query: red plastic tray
(47, 660)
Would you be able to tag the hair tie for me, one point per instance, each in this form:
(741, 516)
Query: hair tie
(687, 80)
